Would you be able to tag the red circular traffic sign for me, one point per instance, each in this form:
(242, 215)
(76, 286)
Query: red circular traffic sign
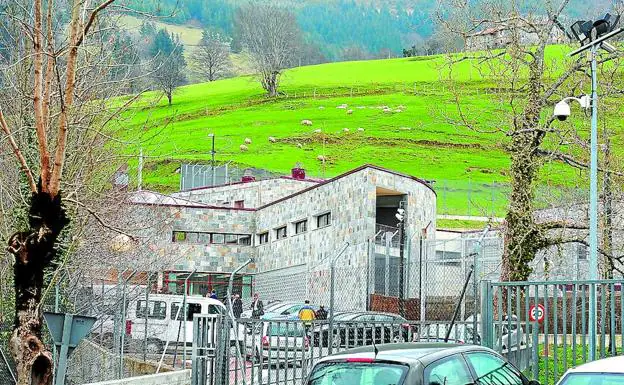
(536, 313)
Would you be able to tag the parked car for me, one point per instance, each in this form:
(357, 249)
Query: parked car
(417, 363)
(608, 371)
(507, 334)
(362, 328)
(276, 342)
(267, 309)
(288, 311)
(167, 321)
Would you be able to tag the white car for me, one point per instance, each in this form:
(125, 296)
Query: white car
(276, 342)
(608, 371)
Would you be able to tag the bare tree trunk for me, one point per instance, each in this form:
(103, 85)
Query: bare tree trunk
(34, 251)
(169, 97)
(523, 236)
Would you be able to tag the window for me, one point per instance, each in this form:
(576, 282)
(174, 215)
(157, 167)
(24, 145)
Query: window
(231, 239)
(323, 220)
(192, 237)
(263, 238)
(156, 309)
(448, 371)
(355, 373)
(492, 370)
(239, 204)
(218, 238)
(191, 308)
(244, 240)
(280, 233)
(203, 238)
(301, 226)
(179, 236)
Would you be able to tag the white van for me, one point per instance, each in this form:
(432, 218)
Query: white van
(166, 319)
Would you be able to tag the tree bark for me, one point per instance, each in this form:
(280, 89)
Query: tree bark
(34, 251)
(523, 236)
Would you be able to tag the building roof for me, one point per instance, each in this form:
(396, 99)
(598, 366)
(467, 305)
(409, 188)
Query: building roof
(153, 198)
(363, 167)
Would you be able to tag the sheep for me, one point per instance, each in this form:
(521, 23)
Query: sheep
(272, 139)
(342, 106)
(306, 122)
(345, 129)
(299, 145)
(387, 109)
(247, 141)
(321, 107)
(321, 158)
(317, 131)
(349, 112)
(360, 129)
(243, 148)
(398, 110)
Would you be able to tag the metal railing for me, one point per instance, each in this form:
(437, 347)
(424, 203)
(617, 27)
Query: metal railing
(284, 351)
(544, 325)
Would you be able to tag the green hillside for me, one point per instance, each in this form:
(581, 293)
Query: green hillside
(412, 135)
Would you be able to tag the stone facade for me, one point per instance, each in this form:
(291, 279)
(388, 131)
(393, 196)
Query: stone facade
(349, 200)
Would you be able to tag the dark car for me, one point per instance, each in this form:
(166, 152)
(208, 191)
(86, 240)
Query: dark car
(363, 328)
(417, 363)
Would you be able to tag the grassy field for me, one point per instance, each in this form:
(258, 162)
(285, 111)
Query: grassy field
(400, 112)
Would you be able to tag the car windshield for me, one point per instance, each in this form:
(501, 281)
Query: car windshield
(355, 373)
(593, 379)
(281, 308)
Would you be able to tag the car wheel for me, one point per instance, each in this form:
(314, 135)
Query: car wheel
(398, 338)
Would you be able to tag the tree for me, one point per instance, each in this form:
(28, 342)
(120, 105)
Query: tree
(212, 56)
(524, 86)
(168, 62)
(270, 35)
(55, 121)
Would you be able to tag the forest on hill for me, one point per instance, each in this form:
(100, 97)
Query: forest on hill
(342, 29)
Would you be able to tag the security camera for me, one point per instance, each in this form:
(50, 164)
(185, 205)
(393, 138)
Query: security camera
(562, 110)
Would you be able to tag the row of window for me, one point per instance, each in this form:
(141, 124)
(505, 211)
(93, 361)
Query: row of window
(158, 310)
(299, 227)
(281, 232)
(211, 238)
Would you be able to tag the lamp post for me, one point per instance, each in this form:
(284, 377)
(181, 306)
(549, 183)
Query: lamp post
(592, 36)
(400, 215)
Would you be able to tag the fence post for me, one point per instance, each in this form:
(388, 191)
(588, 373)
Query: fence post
(487, 319)
(332, 279)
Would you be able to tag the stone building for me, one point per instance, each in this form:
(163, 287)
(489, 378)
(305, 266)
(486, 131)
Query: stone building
(291, 227)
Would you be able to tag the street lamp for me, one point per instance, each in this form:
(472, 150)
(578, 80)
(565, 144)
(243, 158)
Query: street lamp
(592, 35)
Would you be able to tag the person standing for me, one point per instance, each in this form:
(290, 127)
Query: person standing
(257, 308)
(307, 315)
(213, 294)
(237, 306)
(321, 313)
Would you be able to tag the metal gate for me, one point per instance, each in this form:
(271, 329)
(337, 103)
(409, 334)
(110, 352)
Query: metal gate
(545, 327)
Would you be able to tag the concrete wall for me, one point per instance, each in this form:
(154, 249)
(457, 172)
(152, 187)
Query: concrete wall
(181, 377)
